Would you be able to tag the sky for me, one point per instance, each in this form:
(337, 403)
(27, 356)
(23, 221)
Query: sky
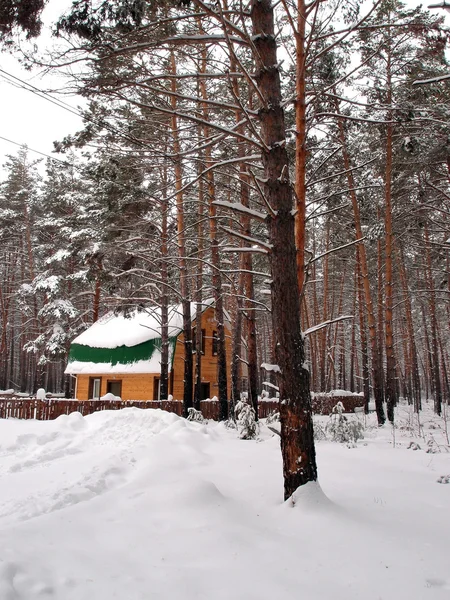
(28, 119)
(25, 117)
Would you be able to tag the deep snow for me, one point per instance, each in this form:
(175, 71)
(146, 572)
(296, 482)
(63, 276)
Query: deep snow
(141, 504)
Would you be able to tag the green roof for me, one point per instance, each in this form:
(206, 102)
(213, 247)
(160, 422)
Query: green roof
(123, 355)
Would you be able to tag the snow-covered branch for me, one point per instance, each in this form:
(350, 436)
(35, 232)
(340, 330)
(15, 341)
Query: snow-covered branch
(326, 323)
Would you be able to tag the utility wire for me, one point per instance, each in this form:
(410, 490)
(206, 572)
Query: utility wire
(63, 162)
(46, 96)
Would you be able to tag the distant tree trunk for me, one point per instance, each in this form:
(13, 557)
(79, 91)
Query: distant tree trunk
(236, 360)
(300, 141)
(297, 441)
(434, 358)
(334, 343)
(215, 262)
(391, 384)
(97, 289)
(362, 330)
(414, 363)
(245, 286)
(164, 298)
(377, 368)
(428, 361)
(445, 378)
(323, 333)
(380, 307)
(199, 286)
(181, 238)
(353, 353)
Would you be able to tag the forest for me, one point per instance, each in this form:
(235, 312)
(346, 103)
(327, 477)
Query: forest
(290, 161)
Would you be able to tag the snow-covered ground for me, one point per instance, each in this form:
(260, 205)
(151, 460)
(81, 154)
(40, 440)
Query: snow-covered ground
(140, 504)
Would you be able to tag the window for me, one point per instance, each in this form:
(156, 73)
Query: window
(157, 388)
(194, 340)
(95, 386)
(215, 343)
(114, 387)
(205, 391)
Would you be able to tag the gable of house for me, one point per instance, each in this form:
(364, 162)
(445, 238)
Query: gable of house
(124, 353)
(125, 344)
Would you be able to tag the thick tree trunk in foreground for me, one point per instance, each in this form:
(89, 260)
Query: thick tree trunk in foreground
(297, 442)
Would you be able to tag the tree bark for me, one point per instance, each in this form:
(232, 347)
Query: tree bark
(297, 441)
(377, 369)
(181, 238)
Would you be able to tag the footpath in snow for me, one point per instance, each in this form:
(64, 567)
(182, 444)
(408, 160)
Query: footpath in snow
(143, 505)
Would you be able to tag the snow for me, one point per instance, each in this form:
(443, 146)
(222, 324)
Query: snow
(141, 504)
(113, 330)
(40, 394)
(238, 207)
(343, 393)
(269, 367)
(110, 397)
(153, 365)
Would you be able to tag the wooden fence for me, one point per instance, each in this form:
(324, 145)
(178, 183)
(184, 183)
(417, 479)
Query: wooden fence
(14, 407)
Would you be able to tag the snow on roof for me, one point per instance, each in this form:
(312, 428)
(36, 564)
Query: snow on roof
(112, 331)
(118, 344)
(153, 365)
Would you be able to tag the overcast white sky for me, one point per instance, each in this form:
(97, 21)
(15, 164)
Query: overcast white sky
(26, 118)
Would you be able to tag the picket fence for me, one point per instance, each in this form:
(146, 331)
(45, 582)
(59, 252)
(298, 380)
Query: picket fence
(18, 407)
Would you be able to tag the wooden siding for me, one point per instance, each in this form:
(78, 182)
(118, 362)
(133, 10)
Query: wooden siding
(141, 386)
(135, 386)
(209, 361)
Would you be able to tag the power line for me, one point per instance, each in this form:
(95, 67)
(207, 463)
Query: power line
(35, 151)
(46, 96)
(38, 92)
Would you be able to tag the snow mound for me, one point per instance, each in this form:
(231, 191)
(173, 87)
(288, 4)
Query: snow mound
(310, 497)
(139, 504)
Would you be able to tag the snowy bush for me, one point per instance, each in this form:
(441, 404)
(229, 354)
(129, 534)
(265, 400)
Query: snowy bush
(195, 415)
(444, 479)
(247, 425)
(342, 429)
(273, 417)
(319, 431)
(413, 446)
(230, 423)
(433, 447)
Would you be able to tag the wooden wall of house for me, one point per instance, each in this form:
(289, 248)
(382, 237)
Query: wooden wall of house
(135, 386)
(141, 386)
(209, 361)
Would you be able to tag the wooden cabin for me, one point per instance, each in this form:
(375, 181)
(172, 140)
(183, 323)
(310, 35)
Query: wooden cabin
(122, 355)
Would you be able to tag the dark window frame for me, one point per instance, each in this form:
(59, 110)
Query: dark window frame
(91, 388)
(116, 381)
(157, 389)
(194, 347)
(215, 343)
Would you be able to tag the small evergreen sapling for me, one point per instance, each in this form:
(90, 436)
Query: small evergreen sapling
(195, 415)
(342, 429)
(247, 425)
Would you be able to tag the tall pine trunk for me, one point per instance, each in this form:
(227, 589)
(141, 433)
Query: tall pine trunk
(297, 441)
(181, 238)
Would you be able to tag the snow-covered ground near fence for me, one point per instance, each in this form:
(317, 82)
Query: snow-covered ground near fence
(143, 505)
